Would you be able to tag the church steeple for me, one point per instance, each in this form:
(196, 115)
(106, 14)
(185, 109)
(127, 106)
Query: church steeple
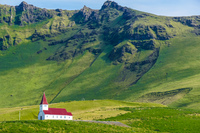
(44, 100)
(44, 103)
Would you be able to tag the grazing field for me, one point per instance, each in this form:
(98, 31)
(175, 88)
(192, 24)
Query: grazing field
(161, 119)
(81, 110)
(140, 117)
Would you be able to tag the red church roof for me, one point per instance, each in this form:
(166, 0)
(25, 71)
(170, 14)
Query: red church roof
(44, 100)
(57, 111)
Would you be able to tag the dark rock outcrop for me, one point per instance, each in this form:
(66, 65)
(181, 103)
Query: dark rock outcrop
(64, 55)
(58, 10)
(17, 40)
(161, 32)
(37, 36)
(112, 4)
(57, 42)
(118, 54)
(196, 31)
(5, 42)
(85, 14)
(189, 21)
(24, 7)
(144, 44)
(31, 14)
(140, 32)
(94, 51)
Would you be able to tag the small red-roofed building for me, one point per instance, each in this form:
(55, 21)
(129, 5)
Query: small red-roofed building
(47, 113)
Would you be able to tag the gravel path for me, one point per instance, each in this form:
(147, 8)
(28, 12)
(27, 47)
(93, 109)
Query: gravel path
(106, 122)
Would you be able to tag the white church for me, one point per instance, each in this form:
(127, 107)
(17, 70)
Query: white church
(47, 113)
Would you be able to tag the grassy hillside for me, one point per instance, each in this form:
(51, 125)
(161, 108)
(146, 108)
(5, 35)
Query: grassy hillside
(141, 117)
(81, 110)
(176, 68)
(112, 53)
(160, 119)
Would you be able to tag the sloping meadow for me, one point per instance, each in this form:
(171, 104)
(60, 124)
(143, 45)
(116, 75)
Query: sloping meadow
(112, 53)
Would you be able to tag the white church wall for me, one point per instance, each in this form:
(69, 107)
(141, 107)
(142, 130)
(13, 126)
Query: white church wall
(58, 117)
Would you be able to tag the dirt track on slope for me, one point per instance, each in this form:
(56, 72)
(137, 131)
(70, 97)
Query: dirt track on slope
(106, 122)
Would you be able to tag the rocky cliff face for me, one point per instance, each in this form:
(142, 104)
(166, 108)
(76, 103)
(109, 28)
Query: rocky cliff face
(93, 29)
(85, 14)
(24, 14)
(112, 4)
(24, 7)
(31, 14)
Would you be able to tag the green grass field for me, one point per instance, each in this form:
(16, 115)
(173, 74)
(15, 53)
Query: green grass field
(64, 127)
(141, 117)
(81, 110)
(161, 119)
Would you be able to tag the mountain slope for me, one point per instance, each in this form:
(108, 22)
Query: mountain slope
(111, 53)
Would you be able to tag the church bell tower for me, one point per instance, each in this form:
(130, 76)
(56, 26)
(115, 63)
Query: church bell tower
(44, 103)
